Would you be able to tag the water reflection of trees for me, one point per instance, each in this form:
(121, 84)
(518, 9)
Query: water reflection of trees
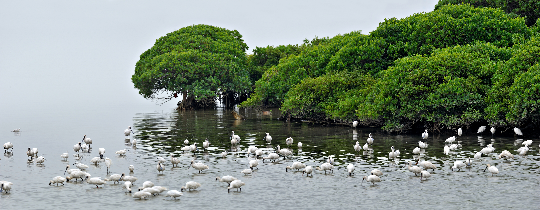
(165, 133)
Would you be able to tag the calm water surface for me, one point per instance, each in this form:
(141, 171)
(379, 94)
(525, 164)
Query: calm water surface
(163, 133)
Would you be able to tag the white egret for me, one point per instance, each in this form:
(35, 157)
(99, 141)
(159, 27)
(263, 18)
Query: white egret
(366, 147)
(253, 164)
(422, 145)
(174, 160)
(131, 168)
(87, 141)
(65, 156)
(205, 144)
(268, 137)
(450, 139)
(491, 169)
(371, 178)
(308, 170)
(199, 166)
(518, 131)
(424, 174)
(459, 131)
(128, 185)
(108, 163)
(129, 178)
(350, 169)
(237, 137)
(173, 194)
(458, 164)
(425, 134)
(115, 178)
(295, 165)
(354, 124)
(191, 185)
(40, 160)
(128, 131)
(57, 180)
(289, 141)
(121, 152)
(236, 184)
(376, 172)
(8, 146)
(426, 164)
(160, 168)
(414, 169)
(228, 179)
(506, 155)
(393, 154)
(186, 142)
(527, 143)
(326, 166)
(357, 147)
(95, 181)
(481, 129)
(492, 131)
(446, 150)
(299, 145)
(416, 150)
(141, 195)
(271, 156)
(370, 139)
(246, 171)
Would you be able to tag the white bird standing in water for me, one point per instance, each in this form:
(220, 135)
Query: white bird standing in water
(174, 160)
(426, 164)
(8, 146)
(414, 169)
(228, 179)
(236, 184)
(295, 165)
(141, 195)
(173, 194)
(268, 137)
(101, 152)
(205, 145)
(393, 154)
(491, 169)
(416, 150)
(446, 150)
(376, 172)
(450, 139)
(87, 141)
(186, 142)
(289, 141)
(459, 131)
(108, 162)
(492, 131)
(191, 185)
(237, 137)
(425, 134)
(299, 145)
(350, 169)
(95, 181)
(326, 166)
(253, 164)
(95, 160)
(370, 139)
(357, 147)
(65, 156)
(424, 174)
(128, 131)
(128, 185)
(121, 152)
(199, 166)
(422, 145)
(246, 171)
(366, 147)
(354, 124)
(458, 165)
(518, 131)
(57, 180)
(371, 178)
(131, 168)
(527, 143)
(481, 129)
(160, 168)
(308, 170)
(5, 186)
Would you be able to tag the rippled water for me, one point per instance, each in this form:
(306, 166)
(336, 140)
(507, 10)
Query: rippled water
(160, 134)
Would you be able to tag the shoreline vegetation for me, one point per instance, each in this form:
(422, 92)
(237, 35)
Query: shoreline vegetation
(459, 66)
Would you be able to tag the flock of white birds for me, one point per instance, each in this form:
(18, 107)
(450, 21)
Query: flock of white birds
(148, 189)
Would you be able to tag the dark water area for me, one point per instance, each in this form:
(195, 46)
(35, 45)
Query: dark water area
(160, 134)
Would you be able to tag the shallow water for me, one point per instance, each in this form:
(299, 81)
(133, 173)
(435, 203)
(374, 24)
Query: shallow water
(161, 133)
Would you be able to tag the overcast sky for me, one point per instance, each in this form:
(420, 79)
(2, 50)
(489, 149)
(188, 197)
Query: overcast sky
(61, 53)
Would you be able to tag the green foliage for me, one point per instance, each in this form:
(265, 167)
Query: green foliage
(529, 9)
(502, 101)
(200, 60)
(445, 89)
(448, 26)
(265, 57)
(524, 103)
(271, 89)
(319, 98)
(394, 39)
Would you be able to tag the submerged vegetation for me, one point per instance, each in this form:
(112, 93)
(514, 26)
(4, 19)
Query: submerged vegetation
(454, 67)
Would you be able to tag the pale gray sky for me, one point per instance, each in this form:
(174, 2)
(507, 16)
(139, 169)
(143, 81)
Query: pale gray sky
(59, 54)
